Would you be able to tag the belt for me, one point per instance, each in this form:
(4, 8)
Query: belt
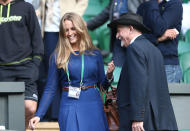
(82, 88)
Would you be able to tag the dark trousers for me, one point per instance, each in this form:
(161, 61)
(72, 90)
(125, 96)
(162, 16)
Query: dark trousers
(50, 42)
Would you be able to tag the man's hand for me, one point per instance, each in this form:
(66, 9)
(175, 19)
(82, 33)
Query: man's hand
(110, 70)
(137, 126)
(169, 34)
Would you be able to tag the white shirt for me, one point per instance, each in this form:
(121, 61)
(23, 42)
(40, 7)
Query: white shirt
(166, 0)
(134, 39)
(186, 20)
(53, 10)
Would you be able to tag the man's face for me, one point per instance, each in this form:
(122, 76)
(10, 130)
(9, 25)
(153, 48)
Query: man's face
(123, 33)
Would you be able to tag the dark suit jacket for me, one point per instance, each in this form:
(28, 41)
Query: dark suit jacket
(143, 90)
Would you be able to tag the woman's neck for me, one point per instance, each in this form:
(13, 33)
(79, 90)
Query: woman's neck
(75, 48)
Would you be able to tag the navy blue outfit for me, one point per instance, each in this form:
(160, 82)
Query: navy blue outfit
(142, 92)
(85, 113)
(111, 12)
(159, 18)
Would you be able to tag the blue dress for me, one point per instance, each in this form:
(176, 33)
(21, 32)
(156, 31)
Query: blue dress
(85, 113)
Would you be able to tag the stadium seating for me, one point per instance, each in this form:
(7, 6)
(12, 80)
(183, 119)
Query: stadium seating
(184, 59)
(183, 47)
(187, 36)
(100, 36)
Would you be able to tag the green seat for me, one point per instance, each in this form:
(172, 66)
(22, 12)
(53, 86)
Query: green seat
(103, 35)
(186, 76)
(116, 75)
(94, 7)
(187, 36)
(183, 47)
(181, 36)
(94, 38)
(184, 62)
(185, 1)
(99, 36)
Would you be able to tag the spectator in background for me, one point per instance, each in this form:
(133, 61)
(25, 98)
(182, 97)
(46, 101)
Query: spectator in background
(134, 4)
(21, 49)
(114, 9)
(164, 18)
(186, 20)
(78, 65)
(35, 3)
(50, 13)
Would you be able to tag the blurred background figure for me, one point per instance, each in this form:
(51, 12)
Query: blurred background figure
(186, 20)
(35, 3)
(164, 18)
(113, 10)
(50, 13)
(134, 4)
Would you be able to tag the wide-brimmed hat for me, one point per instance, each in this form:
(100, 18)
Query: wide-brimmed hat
(130, 19)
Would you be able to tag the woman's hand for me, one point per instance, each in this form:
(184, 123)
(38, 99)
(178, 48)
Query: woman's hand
(110, 70)
(33, 122)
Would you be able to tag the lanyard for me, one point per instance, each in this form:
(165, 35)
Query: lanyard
(82, 72)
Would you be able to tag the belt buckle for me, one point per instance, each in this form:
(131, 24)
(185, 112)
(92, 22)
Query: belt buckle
(83, 88)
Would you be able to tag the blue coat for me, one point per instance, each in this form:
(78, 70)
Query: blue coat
(159, 18)
(143, 90)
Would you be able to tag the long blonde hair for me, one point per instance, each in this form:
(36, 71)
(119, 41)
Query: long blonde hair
(64, 48)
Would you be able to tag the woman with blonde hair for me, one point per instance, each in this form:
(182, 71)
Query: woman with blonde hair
(78, 65)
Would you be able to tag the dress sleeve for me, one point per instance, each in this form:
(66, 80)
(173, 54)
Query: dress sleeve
(102, 79)
(50, 88)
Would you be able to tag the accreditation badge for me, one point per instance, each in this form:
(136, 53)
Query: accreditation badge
(74, 92)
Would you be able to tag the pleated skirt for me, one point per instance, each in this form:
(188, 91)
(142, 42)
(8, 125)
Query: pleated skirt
(83, 114)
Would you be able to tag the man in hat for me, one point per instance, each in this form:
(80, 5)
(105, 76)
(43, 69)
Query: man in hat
(143, 97)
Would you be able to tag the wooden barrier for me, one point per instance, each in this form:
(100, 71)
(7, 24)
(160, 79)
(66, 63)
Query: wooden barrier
(46, 126)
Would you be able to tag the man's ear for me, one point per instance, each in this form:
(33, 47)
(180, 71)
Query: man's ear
(131, 28)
